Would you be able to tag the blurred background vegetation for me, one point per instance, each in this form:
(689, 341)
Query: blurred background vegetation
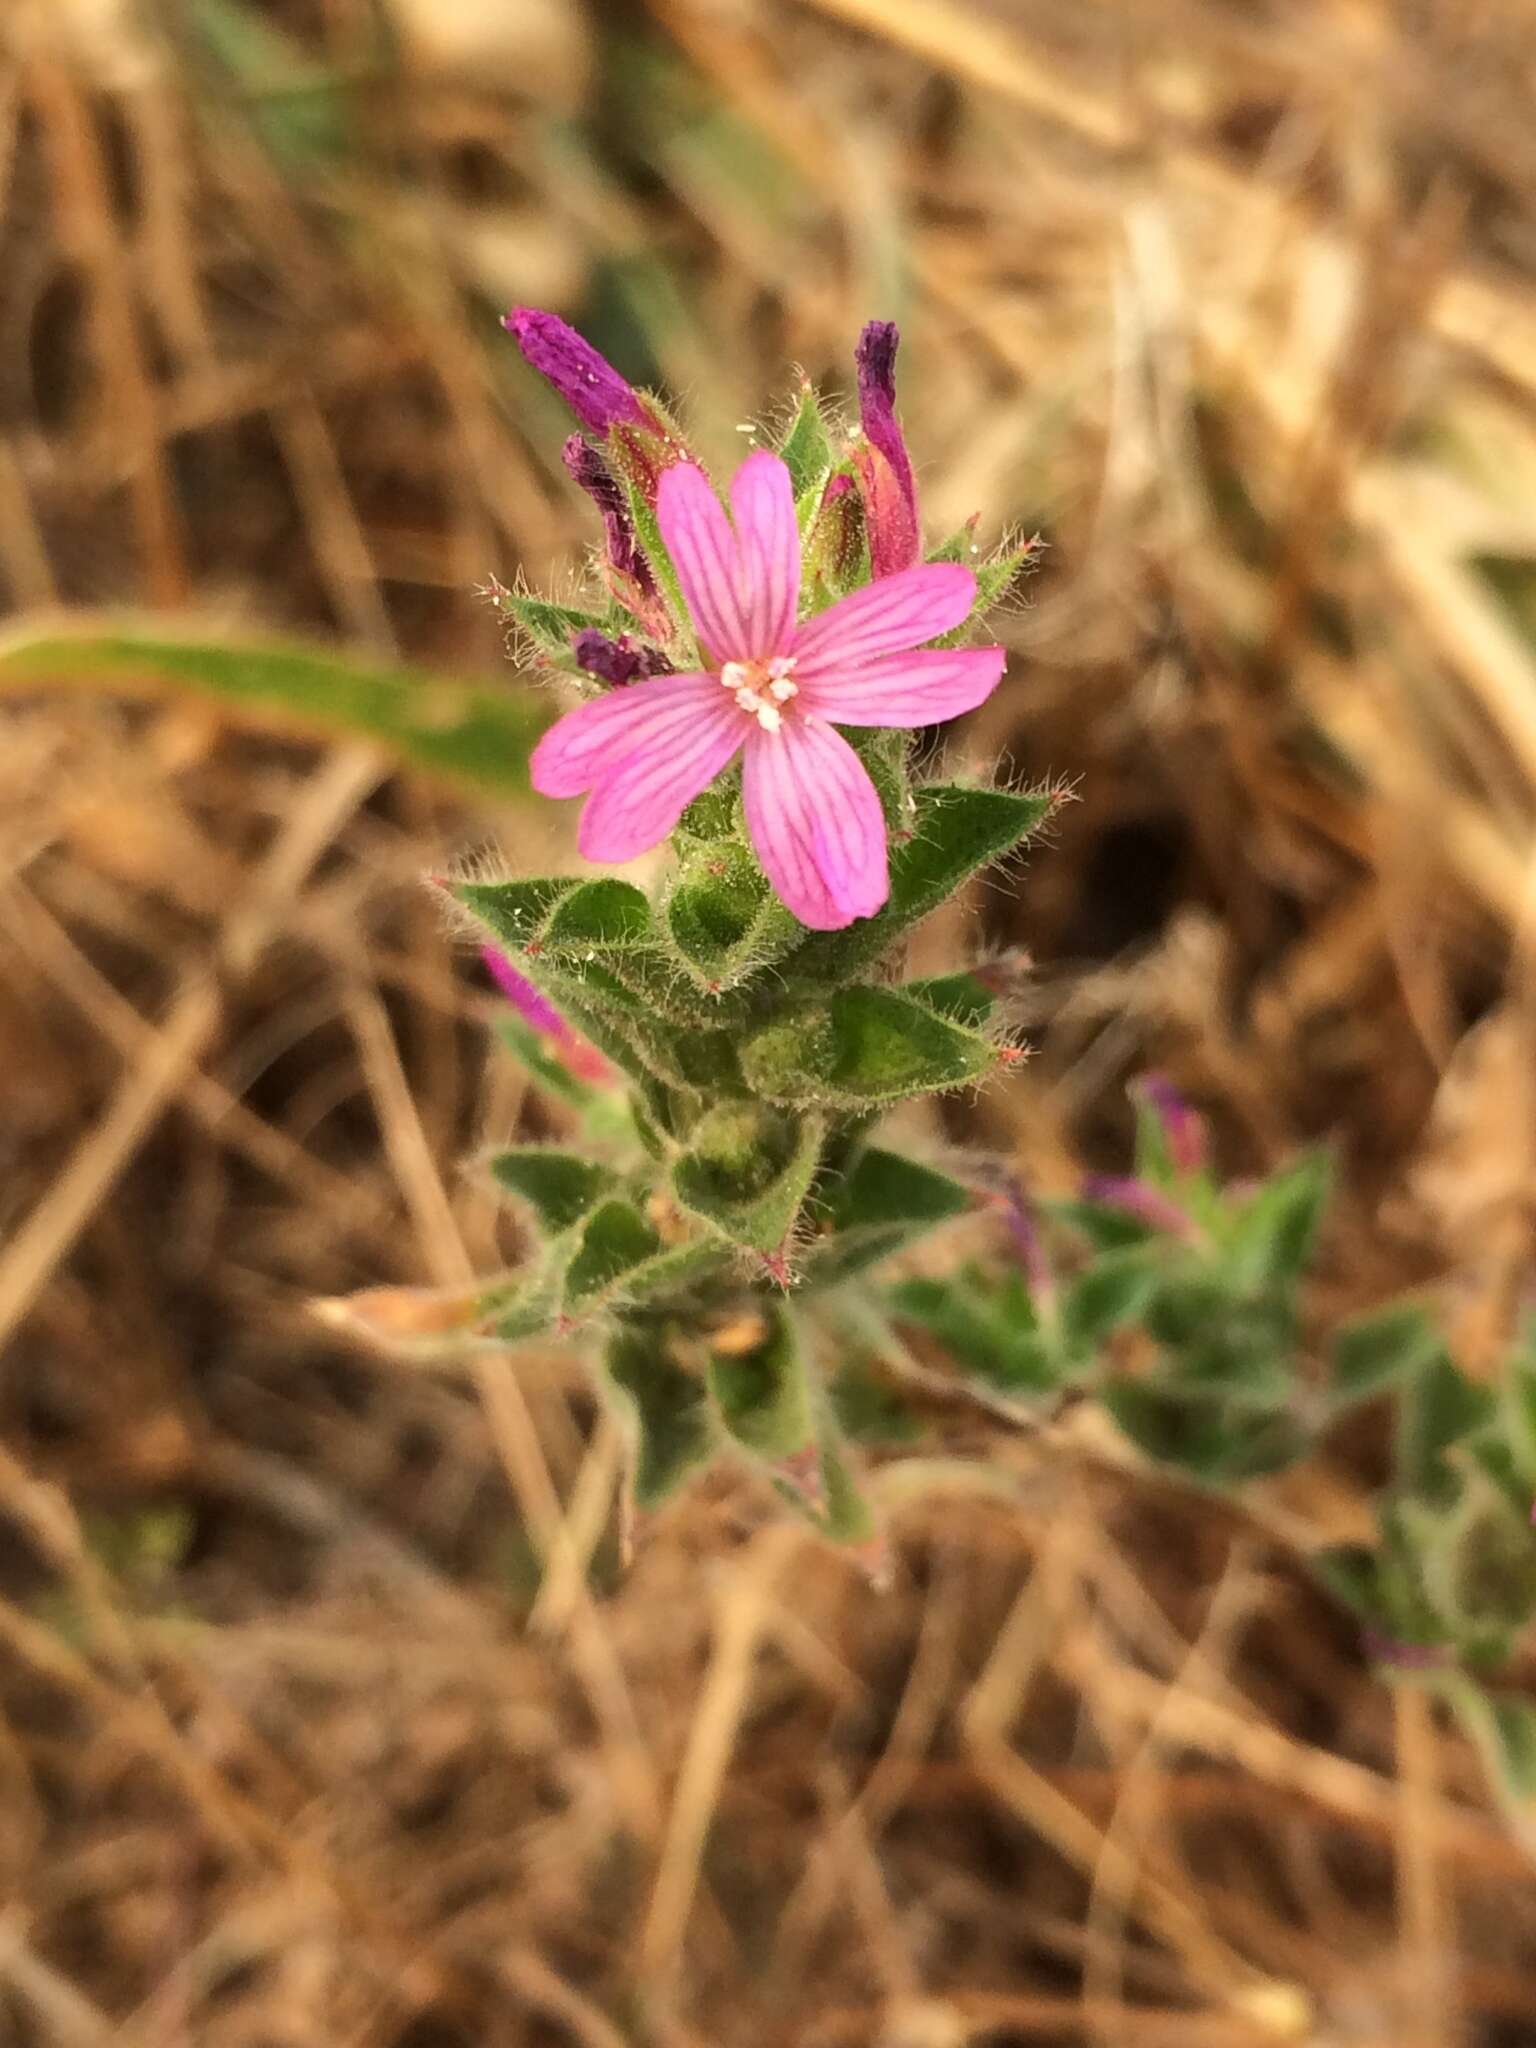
(328, 1713)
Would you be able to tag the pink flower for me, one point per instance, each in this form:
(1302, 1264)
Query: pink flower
(773, 690)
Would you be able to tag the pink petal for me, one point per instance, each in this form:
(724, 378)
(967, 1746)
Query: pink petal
(898, 612)
(638, 804)
(763, 506)
(589, 742)
(921, 688)
(703, 550)
(816, 822)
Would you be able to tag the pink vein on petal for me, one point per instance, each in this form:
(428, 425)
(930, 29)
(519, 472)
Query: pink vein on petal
(898, 612)
(924, 687)
(638, 804)
(816, 822)
(763, 506)
(704, 553)
(579, 749)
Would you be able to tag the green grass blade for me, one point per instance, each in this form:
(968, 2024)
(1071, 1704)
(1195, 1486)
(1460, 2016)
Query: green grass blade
(471, 732)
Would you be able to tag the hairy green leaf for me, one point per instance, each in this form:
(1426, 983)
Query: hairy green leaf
(668, 1409)
(764, 1394)
(806, 449)
(560, 1187)
(747, 1172)
(955, 831)
(1379, 1351)
(863, 1047)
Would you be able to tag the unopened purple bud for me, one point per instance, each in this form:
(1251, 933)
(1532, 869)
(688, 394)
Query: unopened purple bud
(616, 661)
(1183, 1127)
(1136, 1198)
(589, 384)
(625, 555)
(885, 468)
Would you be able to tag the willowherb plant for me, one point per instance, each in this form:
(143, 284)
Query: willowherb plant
(750, 679)
(725, 1046)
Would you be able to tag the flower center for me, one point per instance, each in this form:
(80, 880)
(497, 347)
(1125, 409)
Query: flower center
(762, 687)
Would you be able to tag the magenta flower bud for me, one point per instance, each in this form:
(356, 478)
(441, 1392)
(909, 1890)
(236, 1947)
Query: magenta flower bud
(625, 555)
(533, 1007)
(1028, 1249)
(616, 661)
(537, 1011)
(1136, 1198)
(885, 468)
(1183, 1127)
(588, 382)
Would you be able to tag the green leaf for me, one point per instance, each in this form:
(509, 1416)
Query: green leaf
(513, 912)
(551, 627)
(1106, 1294)
(603, 917)
(996, 576)
(668, 1408)
(764, 1395)
(1437, 1409)
(960, 996)
(546, 1066)
(616, 1240)
(876, 1210)
(886, 1187)
(1375, 1352)
(832, 1260)
(723, 920)
(477, 735)
(713, 814)
(1351, 1572)
(1195, 1436)
(864, 1046)
(955, 831)
(560, 1187)
(806, 450)
(748, 1171)
(846, 1516)
(1477, 1557)
(1106, 1226)
(1503, 1725)
(869, 1408)
(1271, 1240)
(989, 1330)
(1188, 1302)
(620, 1261)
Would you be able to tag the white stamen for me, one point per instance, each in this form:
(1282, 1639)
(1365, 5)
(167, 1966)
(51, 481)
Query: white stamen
(760, 687)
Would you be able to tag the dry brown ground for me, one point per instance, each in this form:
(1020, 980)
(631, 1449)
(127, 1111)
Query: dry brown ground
(314, 1730)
